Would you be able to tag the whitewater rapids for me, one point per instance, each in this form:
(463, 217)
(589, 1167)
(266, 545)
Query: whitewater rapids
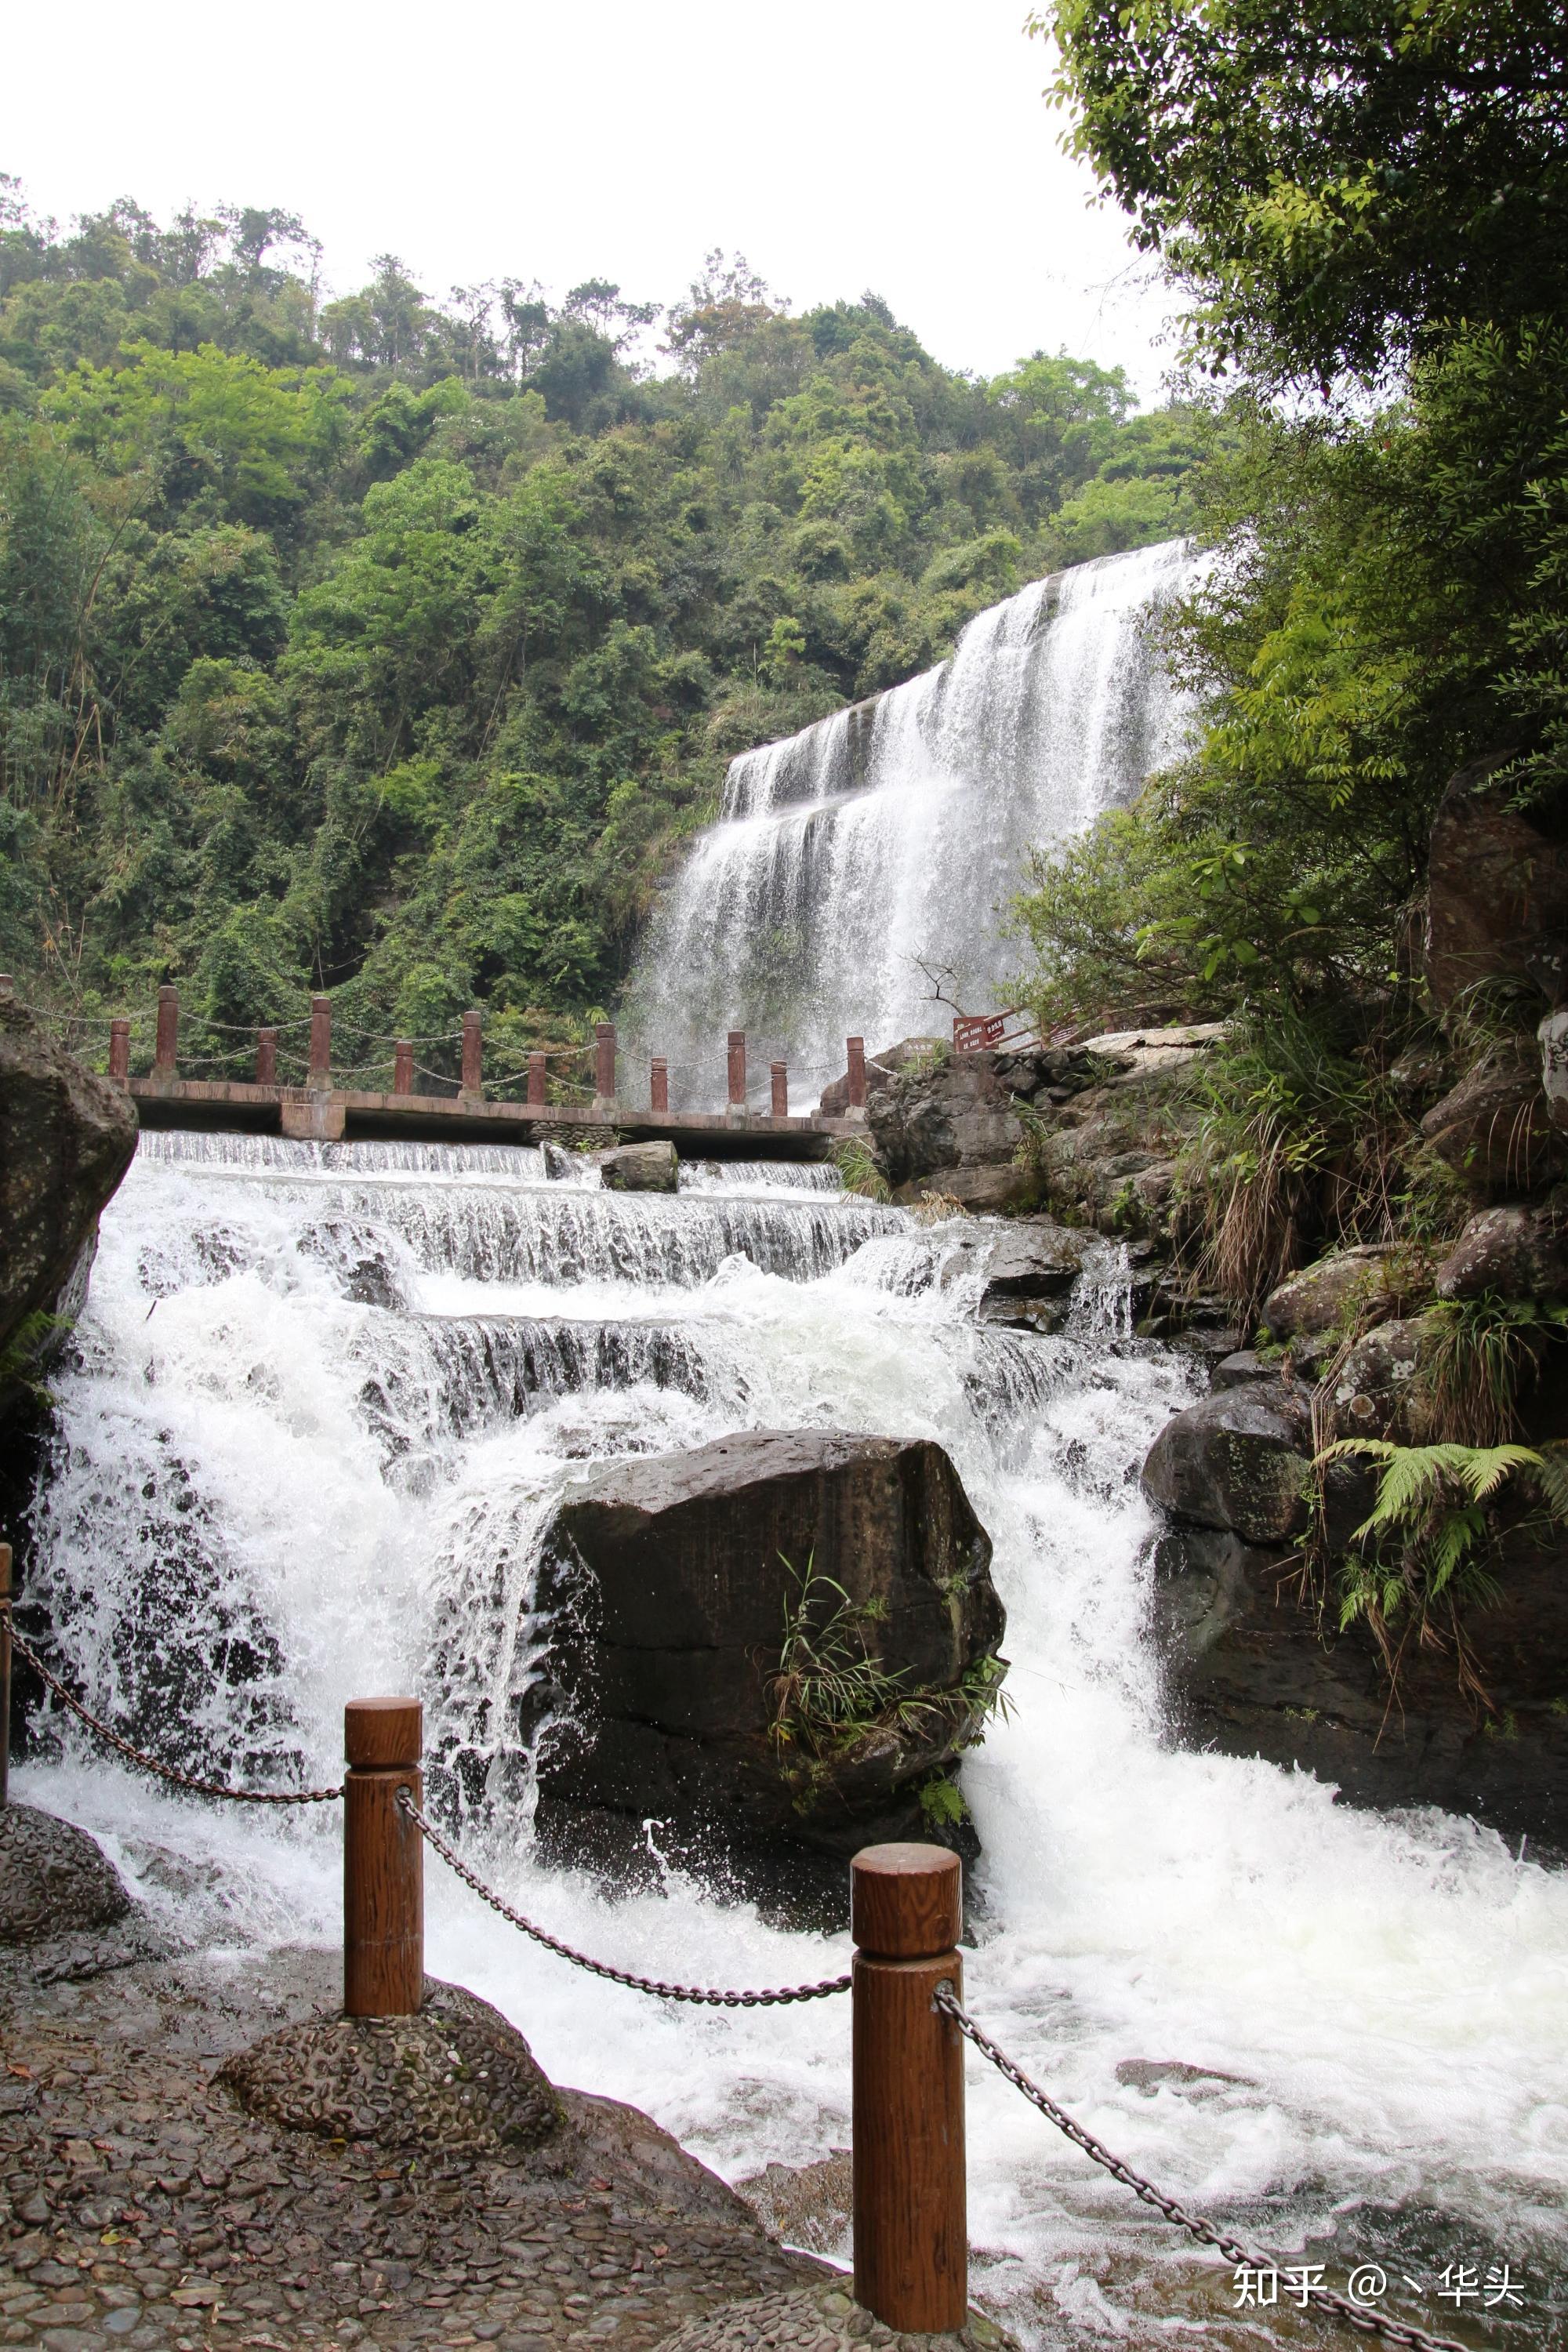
(326, 1397)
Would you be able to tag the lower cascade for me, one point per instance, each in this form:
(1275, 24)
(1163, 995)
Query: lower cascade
(326, 1405)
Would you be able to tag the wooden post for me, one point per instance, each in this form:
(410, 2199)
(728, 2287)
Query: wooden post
(321, 1077)
(737, 1068)
(605, 1061)
(856, 1050)
(165, 1054)
(384, 1860)
(536, 1062)
(473, 1055)
(403, 1066)
(119, 1052)
(266, 1057)
(779, 1073)
(4, 1675)
(911, 2247)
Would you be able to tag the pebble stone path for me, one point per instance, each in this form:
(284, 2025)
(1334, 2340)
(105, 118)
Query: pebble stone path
(139, 2206)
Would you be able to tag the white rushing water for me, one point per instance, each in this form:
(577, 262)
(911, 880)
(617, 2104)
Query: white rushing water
(891, 837)
(326, 1398)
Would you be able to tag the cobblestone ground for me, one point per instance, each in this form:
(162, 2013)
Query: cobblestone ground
(142, 2207)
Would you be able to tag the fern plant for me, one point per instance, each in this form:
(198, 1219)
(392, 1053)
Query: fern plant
(1427, 1551)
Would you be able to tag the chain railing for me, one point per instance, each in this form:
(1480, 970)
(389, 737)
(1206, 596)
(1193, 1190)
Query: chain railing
(1354, 2314)
(152, 1763)
(769, 1997)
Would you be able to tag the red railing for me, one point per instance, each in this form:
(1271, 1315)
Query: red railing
(985, 1032)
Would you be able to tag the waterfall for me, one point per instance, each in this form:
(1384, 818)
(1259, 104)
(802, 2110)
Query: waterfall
(892, 836)
(323, 1403)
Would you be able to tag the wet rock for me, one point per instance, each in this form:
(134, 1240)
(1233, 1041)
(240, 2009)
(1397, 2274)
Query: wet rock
(1311, 1302)
(66, 1139)
(455, 2078)
(1026, 1273)
(1497, 892)
(1255, 1666)
(1553, 1036)
(1496, 1127)
(359, 1258)
(1234, 1372)
(808, 2205)
(998, 1191)
(1518, 1252)
(1152, 2074)
(670, 1584)
(640, 1168)
(54, 1879)
(1238, 1461)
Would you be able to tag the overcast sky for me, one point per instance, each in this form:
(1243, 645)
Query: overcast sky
(902, 145)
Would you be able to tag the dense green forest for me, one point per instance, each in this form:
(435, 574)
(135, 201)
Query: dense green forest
(389, 647)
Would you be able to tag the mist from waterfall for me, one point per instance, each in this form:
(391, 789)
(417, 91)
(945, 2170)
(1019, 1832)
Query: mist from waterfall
(887, 841)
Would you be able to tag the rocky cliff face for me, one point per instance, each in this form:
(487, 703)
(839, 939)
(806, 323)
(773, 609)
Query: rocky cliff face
(782, 1636)
(66, 1141)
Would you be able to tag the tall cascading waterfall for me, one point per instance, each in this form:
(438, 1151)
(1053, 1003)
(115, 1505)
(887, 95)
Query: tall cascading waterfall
(324, 1401)
(887, 841)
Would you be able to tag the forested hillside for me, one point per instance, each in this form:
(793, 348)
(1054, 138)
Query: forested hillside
(388, 646)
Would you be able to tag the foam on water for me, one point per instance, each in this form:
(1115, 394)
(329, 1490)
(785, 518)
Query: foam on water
(271, 1494)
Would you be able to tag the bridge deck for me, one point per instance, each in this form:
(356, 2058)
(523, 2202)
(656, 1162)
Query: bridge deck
(342, 1114)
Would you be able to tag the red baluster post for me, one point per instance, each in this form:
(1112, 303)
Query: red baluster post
(384, 1859)
(321, 1077)
(473, 1054)
(403, 1066)
(779, 1073)
(536, 1062)
(119, 1052)
(857, 1051)
(266, 1057)
(912, 2249)
(658, 1085)
(166, 1052)
(737, 1068)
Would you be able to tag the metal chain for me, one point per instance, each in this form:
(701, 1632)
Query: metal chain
(764, 2000)
(1369, 2323)
(151, 1763)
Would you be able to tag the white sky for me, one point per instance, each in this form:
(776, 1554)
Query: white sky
(898, 145)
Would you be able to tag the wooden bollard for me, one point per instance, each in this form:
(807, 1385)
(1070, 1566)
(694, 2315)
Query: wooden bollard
(658, 1085)
(911, 2244)
(119, 1052)
(536, 1062)
(166, 1052)
(855, 1049)
(473, 1054)
(321, 1077)
(605, 1061)
(403, 1066)
(737, 1068)
(5, 1673)
(266, 1057)
(384, 1859)
(779, 1073)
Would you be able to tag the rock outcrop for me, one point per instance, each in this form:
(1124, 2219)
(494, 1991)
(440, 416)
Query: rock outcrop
(66, 1141)
(1515, 1250)
(1308, 1304)
(1236, 1460)
(700, 1598)
(1252, 1670)
(640, 1168)
(912, 1053)
(1497, 893)
(1024, 1274)
(1496, 1127)
(54, 1879)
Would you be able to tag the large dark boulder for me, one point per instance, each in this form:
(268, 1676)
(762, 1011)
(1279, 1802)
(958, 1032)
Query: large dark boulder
(640, 1168)
(66, 1141)
(673, 1581)
(954, 1113)
(1311, 1302)
(1497, 892)
(1253, 1668)
(1236, 1460)
(1025, 1274)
